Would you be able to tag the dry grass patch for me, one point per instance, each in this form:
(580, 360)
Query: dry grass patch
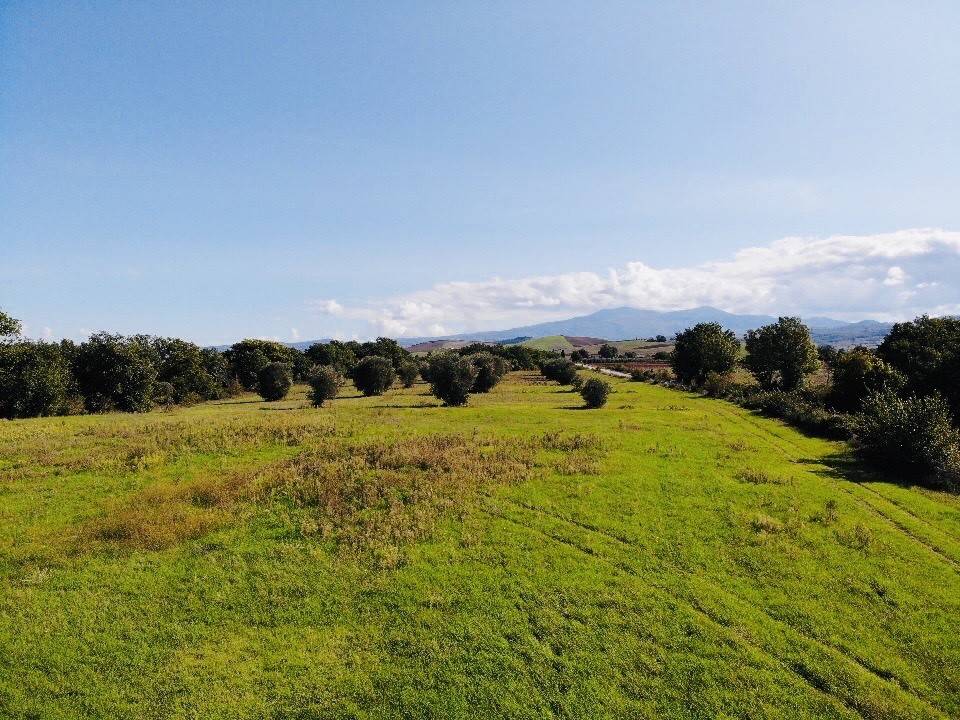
(375, 495)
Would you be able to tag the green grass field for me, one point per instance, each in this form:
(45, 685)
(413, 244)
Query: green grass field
(554, 343)
(666, 556)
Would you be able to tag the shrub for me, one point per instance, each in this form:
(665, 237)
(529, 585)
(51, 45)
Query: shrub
(577, 382)
(408, 373)
(490, 371)
(34, 380)
(913, 435)
(608, 351)
(579, 355)
(560, 370)
(781, 354)
(663, 355)
(325, 382)
(595, 392)
(703, 349)
(803, 410)
(373, 375)
(274, 381)
(451, 378)
(718, 385)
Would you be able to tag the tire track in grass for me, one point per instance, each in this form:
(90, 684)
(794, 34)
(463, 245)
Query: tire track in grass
(797, 457)
(908, 511)
(841, 693)
(864, 664)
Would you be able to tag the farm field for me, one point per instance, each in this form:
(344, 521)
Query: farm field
(666, 556)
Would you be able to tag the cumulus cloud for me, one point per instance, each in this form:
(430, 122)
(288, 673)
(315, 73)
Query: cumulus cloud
(884, 276)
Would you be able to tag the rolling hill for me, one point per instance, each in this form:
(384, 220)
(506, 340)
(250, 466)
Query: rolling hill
(625, 323)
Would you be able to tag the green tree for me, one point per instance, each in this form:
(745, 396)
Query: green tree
(452, 378)
(856, 374)
(408, 373)
(608, 351)
(185, 366)
(325, 382)
(335, 354)
(115, 373)
(781, 354)
(9, 325)
(703, 349)
(373, 375)
(490, 371)
(560, 370)
(274, 381)
(35, 380)
(927, 352)
(579, 355)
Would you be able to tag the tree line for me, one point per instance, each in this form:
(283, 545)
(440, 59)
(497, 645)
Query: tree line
(110, 372)
(899, 403)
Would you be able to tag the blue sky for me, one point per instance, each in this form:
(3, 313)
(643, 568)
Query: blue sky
(215, 171)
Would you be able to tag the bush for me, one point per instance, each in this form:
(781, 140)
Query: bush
(560, 370)
(325, 382)
(577, 382)
(373, 375)
(800, 409)
(781, 354)
(579, 355)
(720, 386)
(595, 392)
(490, 371)
(274, 381)
(451, 378)
(607, 351)
(913, 435)
(408, 373)
(703, 349)
(34, 380)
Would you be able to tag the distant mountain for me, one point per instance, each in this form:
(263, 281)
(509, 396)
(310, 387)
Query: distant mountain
(625, 323)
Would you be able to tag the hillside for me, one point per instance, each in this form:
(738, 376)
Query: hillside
(667, 556)
(626, 322)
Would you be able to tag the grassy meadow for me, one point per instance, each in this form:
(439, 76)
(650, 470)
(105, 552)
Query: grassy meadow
(667, 556)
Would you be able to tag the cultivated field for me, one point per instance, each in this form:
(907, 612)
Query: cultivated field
(666, 556)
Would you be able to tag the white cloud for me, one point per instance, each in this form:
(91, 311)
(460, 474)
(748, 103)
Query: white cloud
(895, 276)
(849, 276)
(326, 307)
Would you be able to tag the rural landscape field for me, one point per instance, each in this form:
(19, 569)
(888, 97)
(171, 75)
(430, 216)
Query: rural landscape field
(534, 360)
(668, 555)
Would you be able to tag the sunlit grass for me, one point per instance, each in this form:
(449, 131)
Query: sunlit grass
(665, 556)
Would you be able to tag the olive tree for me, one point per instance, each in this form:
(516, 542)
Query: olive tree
(325, 382)
(274, 381)
(490, 371)
(373, 375)
(452, 378)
